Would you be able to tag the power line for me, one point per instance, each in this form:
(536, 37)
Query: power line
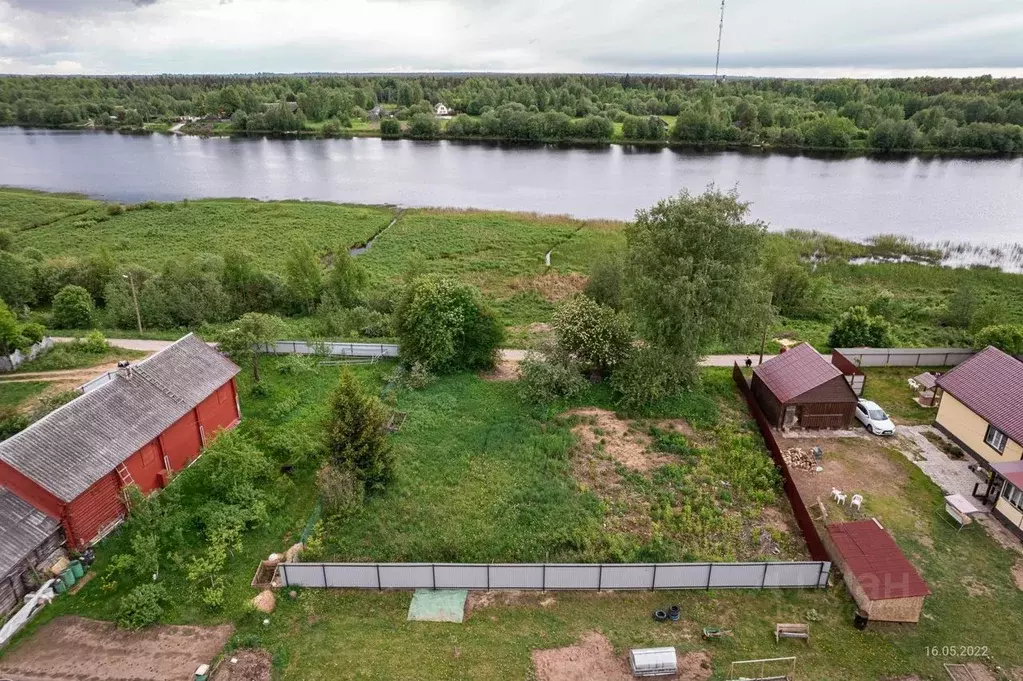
(721, 28)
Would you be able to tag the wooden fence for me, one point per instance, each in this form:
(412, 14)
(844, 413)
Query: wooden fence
(803, 519)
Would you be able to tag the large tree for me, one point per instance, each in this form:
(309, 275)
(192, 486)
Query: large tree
(355, 435)
(694, 277)
(242, 338)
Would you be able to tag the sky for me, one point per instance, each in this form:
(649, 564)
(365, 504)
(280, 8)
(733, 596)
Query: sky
(795, 38)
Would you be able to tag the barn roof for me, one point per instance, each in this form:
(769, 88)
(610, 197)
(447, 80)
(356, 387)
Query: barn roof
(796, 372)
(74, 446)
(991, 384)
(876, 561)
(22, 529)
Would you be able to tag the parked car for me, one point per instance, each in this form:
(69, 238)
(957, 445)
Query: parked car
(874, 418)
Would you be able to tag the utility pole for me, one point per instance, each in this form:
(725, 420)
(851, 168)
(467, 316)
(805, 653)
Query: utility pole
(135, 298)
(721, 28)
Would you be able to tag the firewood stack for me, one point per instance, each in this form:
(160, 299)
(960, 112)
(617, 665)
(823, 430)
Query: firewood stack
(800, 458)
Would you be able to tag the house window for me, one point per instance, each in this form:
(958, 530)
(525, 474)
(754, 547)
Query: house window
(1013, 495)
(995, 439)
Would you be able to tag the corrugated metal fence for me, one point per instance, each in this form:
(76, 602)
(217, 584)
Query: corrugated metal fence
(287, 347)
(557, 576)
(906, 357)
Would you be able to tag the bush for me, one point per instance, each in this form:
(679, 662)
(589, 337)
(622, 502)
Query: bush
(545, 378)
(141, 607)
(605, 283)
(593, 333)
(857, 328)
(341, 491)
(94, 343)
(415, 377)
(1006, 337)
(355, 435)
(12, 422)
(47, 404)
(650, 375)
(423, 126)
(389, 127)
(73, 308)
(446, 326)
(33, 332)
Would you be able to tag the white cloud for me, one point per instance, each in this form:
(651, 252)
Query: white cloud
(782, 37)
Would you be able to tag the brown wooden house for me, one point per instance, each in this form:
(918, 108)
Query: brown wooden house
(802, 389)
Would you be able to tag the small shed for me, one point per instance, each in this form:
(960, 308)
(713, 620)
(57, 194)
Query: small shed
(884, 584)
(653, 661)
(926, 387)
(28, 538)
(800, 388)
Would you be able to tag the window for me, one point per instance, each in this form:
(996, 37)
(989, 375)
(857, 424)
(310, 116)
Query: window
(1013, 495)
(995, 439)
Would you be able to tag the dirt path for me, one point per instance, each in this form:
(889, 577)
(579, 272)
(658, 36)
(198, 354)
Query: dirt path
(77, 648)
(65, 376)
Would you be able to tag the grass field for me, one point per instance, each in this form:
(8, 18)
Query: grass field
(14, 394)
(889, 387)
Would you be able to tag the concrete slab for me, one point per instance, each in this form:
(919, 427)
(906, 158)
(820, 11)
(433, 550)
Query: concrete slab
(441, 605)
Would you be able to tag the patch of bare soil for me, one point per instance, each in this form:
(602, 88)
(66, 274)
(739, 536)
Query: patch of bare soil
(591, 659)
(855, 466)
(975, 587)
(551, 285)
(971, 671)
(775, 519)
(478, 600)
(602, 431)
(1017, 574)
(78, 648)
(248, 665)
(694, 666)
(506, 370)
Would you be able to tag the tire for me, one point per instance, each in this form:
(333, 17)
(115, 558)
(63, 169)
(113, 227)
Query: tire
(870, 429)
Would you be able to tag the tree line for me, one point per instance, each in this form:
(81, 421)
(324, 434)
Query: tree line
(939, 114)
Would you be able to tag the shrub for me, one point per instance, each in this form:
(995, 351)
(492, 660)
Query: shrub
(1006, 337)
(12, 422)
(390, 127)
(33, 332)
(546, 378)
(11, 333)
(141, 607)
(47, 404)
(423, 126)
(341, 491)
(415, 377)
(73, 308)
(94, 343)
(315, 548)
(650, 375)
(294, 365)
(605, 283)
(595, 334)
(858, 328)
(446, 326)
(355, 434)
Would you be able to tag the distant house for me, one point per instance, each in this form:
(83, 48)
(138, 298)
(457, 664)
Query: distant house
(146, 422)
(800, 388)
(981, 410)
(441, 109)
(884, 584)
(28, 539)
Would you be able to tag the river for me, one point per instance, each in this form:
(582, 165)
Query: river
(930, 199)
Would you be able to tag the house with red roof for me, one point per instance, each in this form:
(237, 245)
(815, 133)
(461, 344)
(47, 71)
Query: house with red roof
(981, 410)
(801, 389)
(882, 581)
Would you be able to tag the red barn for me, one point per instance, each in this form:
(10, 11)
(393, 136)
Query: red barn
(149, 420)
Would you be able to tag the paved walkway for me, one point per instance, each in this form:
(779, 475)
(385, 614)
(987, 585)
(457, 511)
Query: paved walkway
(951, 475)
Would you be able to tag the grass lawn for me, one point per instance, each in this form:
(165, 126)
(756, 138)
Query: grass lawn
(889, 387)
(175, 230)
(14, 394)
(64, 356)
(23, 209)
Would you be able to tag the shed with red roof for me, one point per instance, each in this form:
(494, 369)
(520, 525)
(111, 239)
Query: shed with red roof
(800, 388)
(884, 584)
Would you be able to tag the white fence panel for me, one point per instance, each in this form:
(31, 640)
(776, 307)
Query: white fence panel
(462, 576)
(287, 347)
(793, 575)
(683, 576)
(512, 576)
(303, 574)
(406, 576)
(572, 577)
(737, 575)
(627, 577)
(906, 357)
(353, 576)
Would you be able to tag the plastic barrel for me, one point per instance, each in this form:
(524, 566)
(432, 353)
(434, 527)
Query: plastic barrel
(674, 613)
(58, 586)
(68, 577)
(77, 569)
(860, 620)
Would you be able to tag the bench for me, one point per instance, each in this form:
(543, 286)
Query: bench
(791, 631)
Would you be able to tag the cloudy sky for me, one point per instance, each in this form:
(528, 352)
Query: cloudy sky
(761, 37)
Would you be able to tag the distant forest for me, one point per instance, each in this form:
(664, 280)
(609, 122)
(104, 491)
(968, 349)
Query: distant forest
(981, 114)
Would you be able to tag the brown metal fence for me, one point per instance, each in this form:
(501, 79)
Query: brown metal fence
(803, 519)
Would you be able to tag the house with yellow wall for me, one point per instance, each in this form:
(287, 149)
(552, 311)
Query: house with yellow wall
(981, 410)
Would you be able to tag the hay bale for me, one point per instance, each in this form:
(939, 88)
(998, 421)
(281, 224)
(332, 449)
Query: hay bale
(265, 601)
(291, 555)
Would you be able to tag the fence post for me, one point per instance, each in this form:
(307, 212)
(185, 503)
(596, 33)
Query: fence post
(488, 577)
(284, 569)
(380, 585)
(653, 582)
(543, 579)
(709, 573)
(820, 573)
(433, 569)
(763, 580)
(323, 566)
(600, 577)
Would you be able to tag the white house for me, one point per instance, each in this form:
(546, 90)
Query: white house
(441, 109)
